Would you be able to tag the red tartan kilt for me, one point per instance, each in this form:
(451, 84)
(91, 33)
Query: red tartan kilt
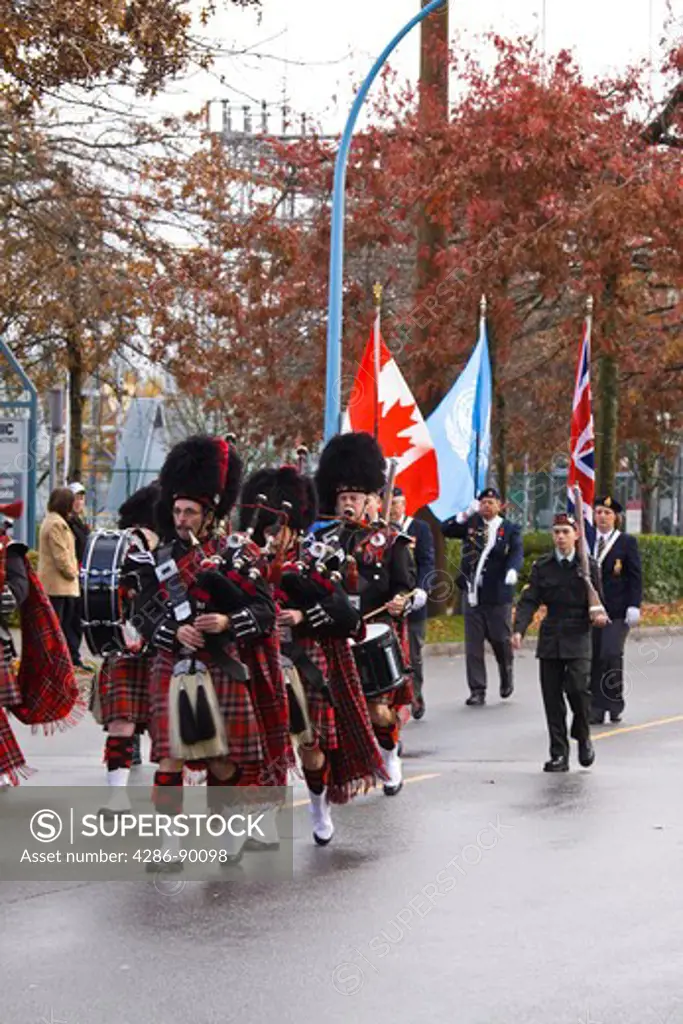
(356, 764)
(245, 746)
(11, 758)
(323, 722)
(10, 694)
(403, 694)
(124, 690)
(320, 711)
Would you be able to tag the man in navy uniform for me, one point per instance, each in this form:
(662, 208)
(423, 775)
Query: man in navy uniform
(492, 556)
(619, 560)
(423, 552)
(564, 640)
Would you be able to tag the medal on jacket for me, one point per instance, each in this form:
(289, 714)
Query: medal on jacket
(374, 548)
(618, 566)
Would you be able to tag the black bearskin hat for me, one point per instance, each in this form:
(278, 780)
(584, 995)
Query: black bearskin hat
(204, 469)
(278, 485)
(138, 510)
(349, 462)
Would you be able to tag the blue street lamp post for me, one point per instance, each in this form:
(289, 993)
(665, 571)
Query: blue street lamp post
(335, 301)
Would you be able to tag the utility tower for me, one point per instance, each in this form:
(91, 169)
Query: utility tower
(248, 132)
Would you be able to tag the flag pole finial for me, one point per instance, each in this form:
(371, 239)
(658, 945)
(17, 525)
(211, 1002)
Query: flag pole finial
(589, 304)
(377, 292)
(482, 305)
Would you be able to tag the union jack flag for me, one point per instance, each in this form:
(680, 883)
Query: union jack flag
(582, 445)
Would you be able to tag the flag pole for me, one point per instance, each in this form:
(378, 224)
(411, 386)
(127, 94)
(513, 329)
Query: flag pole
(477, 436)
(377, 290)
(589, 336)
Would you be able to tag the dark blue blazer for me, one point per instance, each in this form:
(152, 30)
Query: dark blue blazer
(622, 577)
(507, 553)
(424, 560)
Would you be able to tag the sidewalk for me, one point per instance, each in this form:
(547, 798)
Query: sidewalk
(529, 642)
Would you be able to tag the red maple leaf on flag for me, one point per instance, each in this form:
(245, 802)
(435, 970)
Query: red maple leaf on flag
(392, 425)
(401, 431)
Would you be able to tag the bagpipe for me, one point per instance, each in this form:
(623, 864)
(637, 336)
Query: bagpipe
(226, 579)
(223, 581)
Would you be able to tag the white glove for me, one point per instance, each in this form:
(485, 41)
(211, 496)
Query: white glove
(632, 616)
(471, 509)
(418, 600)
(511, 577)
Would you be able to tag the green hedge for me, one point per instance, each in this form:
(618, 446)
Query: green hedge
(662, 559)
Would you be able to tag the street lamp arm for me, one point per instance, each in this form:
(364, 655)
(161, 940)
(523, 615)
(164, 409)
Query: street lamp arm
(335, 300)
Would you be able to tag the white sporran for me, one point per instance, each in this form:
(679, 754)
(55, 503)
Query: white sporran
(196, 726)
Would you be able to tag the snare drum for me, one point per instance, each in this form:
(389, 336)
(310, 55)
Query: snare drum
(105, 608)
(379, 660)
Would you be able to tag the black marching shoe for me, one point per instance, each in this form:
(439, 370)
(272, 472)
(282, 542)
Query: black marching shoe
(586, 753)
(418, 709)
(556, 764)
(615, 717)
(476, 700)
(597, 717)
(506, 691)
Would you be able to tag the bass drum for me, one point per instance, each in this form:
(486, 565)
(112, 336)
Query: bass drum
(105, 608)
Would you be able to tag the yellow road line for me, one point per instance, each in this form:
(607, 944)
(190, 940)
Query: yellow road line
(637, 728)
(594, 736)
(410, 778)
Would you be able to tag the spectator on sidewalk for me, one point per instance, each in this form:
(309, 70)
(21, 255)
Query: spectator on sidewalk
(81, 532)
(57, 561)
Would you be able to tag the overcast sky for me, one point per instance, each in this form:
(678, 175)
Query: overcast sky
(337, 41)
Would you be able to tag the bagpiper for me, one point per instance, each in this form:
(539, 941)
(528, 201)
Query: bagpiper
(217, 694)
(329, 720)
(380, 578)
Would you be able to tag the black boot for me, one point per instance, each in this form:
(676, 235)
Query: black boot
(556, 764)
(586, 753)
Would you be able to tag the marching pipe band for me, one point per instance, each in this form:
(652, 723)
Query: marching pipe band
(273, 647)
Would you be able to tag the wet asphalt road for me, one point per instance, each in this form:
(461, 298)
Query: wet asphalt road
(486, 893)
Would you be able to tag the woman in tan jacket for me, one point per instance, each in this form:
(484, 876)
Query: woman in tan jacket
(57, 562)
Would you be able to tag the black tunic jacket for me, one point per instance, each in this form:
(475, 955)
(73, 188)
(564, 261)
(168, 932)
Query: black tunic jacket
(566, 630)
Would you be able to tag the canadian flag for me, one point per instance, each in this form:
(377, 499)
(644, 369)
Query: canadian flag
(381, 403)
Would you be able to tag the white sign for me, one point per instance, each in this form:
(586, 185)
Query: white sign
(14, 467)
(634, 517)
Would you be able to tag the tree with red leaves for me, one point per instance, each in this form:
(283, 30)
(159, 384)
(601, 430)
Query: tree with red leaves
(539, 190)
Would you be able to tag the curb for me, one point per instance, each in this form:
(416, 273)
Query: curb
(450, 650)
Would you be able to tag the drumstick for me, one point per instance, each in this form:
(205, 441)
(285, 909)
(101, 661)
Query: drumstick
(383, 608)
